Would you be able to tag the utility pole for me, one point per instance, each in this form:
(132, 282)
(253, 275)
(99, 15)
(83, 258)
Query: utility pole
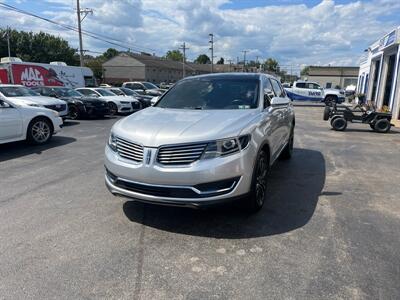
(230, 64)
(211, 41)
(184, 48)
(244, 58)
(9, 54)
(80, 12)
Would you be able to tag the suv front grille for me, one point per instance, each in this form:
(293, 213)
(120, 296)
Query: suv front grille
(129, 150)
(58, 107)
(136, 105)
(180, 154)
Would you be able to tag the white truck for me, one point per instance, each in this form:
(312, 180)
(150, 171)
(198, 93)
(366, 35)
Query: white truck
(14, 71)
(311, 91)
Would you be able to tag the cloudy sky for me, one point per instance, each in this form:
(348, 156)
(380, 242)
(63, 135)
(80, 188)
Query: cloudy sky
(294, 32)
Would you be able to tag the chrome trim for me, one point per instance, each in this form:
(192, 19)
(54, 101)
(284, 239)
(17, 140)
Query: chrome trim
(176, 186)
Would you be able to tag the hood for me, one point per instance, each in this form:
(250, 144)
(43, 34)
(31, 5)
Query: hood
(113, 98)
(155, 126)
(40, 100)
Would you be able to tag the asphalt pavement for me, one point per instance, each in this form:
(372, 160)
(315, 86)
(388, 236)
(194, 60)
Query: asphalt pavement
(330, 228)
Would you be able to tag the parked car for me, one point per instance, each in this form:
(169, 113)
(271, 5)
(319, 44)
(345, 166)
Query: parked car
(308, 90)
(116, 104)
(79, 106)
(19, 94)
(23, 122)
(147, 87)
(210, 138)
(144, 100)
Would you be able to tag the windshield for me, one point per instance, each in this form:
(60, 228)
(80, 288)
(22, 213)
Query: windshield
(17, 91)
(212, 93)
(117, 92)
(129, 92)
(65, 92)
(104, 92)
(149, 85)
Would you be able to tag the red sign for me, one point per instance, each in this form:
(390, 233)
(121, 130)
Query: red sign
(3, 76)
(31, 75)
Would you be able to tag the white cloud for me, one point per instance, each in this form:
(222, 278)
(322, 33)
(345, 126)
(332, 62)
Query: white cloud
(327, 33)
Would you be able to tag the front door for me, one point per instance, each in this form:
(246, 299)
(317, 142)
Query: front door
(10, 121)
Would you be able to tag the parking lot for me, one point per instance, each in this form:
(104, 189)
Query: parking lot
(330, 228)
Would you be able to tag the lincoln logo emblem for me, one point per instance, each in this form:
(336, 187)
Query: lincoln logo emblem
(148, 157)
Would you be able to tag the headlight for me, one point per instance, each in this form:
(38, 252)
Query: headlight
(226, 146)
(124, 102)
(112, 142)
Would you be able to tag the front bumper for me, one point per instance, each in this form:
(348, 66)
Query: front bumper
(57, 122)
(200, 183)
(125, 108)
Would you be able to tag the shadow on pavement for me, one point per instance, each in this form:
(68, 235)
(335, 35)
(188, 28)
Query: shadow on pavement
(19, 149)
(294, 188)
(68, 123)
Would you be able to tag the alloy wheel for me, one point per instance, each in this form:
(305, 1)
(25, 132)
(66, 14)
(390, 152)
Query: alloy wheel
(41, 131)
(261, 180)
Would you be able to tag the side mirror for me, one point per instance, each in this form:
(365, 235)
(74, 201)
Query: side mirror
(268, 95)
(278, 101)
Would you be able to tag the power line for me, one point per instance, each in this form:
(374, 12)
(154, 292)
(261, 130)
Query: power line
(84, 32)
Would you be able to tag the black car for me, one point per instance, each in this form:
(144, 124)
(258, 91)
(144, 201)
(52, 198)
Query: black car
(79, 105)
(121, 91)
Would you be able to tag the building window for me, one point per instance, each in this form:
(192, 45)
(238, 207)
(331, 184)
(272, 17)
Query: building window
(328, 85)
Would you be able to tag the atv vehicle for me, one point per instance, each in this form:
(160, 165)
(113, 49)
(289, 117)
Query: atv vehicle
(340, 115)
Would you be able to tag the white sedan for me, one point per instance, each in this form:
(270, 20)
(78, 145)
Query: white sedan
(22, 122)
(116, 104)
(21, 95)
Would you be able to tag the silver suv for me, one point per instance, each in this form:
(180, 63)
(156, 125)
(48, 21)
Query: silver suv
(208, 139)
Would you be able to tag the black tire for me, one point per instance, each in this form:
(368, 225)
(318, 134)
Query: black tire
(258, 190)
(288, 150)
(372, 125)
(330, 100)
(73, 112)
(327, 112)
(40, 131)
(113, 109)
(382, 126)
(339, 124)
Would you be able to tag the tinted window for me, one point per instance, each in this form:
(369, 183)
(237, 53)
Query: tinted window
(150, 85)
(137, 86)
(86, 92)
(301, 85)
(277, 88)
(17, 91)
(104, 92)
(117, 92)
(128, 92)
(212, 93)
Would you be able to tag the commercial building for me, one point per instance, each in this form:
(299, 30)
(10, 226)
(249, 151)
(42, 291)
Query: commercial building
(379, 77)
(333, 77)
(143, 67)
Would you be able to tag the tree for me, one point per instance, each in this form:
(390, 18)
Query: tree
(110, 53)
(305, 71)
(221, 61)
(175, 55)
(271, 65)
(202, 59)
(37, 47)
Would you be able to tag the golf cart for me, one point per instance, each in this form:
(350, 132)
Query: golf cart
(366, 114)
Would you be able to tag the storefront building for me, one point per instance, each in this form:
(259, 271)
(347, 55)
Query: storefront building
(379, 78)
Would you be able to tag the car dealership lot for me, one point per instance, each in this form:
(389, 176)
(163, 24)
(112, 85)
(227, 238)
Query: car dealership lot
(330, 228)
